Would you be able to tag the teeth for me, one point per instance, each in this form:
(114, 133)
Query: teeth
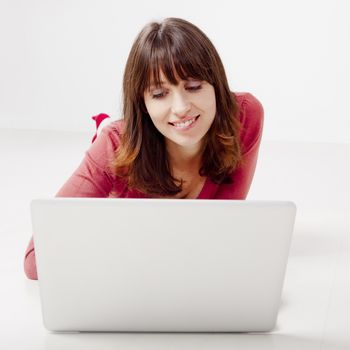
(187, 123)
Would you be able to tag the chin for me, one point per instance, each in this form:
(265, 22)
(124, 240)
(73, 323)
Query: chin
(187, 143)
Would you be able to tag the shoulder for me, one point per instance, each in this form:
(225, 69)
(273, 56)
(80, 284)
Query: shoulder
(112, 131)
(248, 103)
(251, 116)
(114, 126)
(103, 148)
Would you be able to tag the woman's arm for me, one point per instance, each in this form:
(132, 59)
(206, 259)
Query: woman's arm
(92, 178)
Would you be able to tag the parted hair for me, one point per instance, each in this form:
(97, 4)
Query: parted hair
(179, 49)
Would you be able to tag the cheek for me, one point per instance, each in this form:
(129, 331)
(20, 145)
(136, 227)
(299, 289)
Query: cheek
(156, 111)
(208, 103)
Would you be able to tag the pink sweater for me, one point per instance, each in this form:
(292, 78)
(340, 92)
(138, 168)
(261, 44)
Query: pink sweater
(93, 179)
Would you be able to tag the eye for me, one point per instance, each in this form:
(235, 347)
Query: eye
(158, 94)
(194, 88)
(194, 85)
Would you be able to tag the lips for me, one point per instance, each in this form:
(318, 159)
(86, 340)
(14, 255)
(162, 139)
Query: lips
(184, 120)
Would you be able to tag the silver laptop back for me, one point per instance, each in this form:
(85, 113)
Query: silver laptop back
(160, 264)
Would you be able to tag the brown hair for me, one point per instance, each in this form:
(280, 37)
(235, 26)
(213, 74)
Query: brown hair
(178, 49)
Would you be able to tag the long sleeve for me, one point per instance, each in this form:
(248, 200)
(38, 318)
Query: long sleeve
(252, 119)
(92, 178)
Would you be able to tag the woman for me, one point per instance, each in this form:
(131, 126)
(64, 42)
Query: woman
(183, 133)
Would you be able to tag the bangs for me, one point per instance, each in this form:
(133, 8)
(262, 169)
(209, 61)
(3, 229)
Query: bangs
(177, 61)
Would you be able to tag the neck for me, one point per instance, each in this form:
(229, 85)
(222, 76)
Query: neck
(184, 158)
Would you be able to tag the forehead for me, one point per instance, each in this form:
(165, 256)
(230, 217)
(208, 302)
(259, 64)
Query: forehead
(156, 81)
(162, 79)
(157, 77)
(171, 69)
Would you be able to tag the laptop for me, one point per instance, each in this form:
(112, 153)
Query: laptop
(161, 265)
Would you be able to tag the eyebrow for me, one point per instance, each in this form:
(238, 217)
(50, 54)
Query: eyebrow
(153, 84)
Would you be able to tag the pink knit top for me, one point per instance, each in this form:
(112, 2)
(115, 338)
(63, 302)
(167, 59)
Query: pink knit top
(93, 178)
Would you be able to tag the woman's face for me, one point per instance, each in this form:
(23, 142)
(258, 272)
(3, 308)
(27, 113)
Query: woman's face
(182, 113)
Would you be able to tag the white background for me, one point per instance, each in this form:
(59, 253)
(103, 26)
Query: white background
(62, 61)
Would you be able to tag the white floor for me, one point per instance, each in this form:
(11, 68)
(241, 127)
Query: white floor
(315, 309)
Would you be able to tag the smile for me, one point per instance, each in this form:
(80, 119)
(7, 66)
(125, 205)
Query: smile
(186, 124)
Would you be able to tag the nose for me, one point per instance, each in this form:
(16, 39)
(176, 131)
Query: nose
(180, 104)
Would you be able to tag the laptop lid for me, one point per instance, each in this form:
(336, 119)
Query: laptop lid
(108, 264)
